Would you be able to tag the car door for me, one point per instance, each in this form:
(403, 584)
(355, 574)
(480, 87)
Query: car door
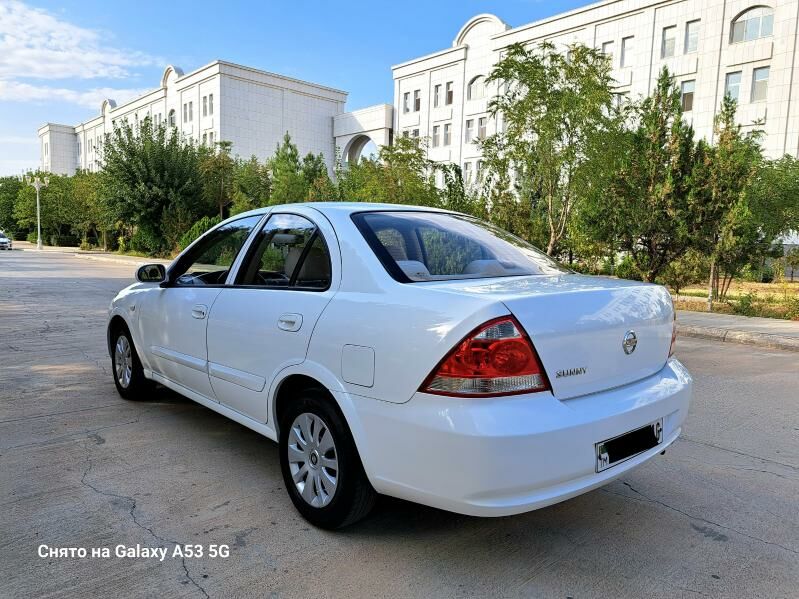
(173, 318)
(263, 322)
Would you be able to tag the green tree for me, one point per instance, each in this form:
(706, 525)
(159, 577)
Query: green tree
(251, 185)
(556, 106)
(9, 189)
(153, 183)
(59, 211)
(95, 215)
(218, 169)
(647, 209)
(288, 181)
(723, 193)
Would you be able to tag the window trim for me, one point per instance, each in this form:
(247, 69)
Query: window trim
(685, 49)
(737, 18)
(250, 248)
(672, 29)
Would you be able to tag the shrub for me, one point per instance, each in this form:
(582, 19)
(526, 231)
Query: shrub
(626, 269)
(746, 304)
(197, 229)
(685, 270)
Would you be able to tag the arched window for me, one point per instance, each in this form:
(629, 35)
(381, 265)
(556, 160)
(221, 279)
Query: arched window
(752, 24)
(172, 118)
(476, 88)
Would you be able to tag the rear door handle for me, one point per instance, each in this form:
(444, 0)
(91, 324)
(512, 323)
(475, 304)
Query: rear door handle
(199, 311)
(290, 322)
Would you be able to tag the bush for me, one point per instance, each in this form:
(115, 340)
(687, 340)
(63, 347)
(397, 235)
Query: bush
(766, 274)
(685, 270)
(626, 269)
(746, 304)
(197, 229)
(71, 241)
(31, 237)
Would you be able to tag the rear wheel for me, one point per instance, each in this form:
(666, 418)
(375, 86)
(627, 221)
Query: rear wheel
(128, 373)
(321, 466)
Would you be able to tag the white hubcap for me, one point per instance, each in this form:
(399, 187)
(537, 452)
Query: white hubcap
(123, 361)
(313, 461)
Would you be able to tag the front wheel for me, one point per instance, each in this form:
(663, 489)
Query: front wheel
(320, 464)
(128, 373)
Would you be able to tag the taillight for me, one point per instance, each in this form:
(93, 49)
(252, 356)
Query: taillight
(673, 335)
(497, 358)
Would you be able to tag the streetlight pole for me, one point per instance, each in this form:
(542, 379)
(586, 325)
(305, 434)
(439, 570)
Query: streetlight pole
(37, 183)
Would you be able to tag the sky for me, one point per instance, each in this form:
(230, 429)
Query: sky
(59, 60)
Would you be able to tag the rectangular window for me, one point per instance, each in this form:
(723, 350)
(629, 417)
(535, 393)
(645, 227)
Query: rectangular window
(45, 148)
(481, 127)
(415, 133)
(205, 105)
(417, 100)
(467, 172)
(688, 95)
(760, 84)
(447, 134)
(691, 36)
(191, 111)
(479, 170)
(669, 39)
(469, 132)
(185, 113)
(211, 138)
(626, 52)
(436, 135)
(620, 99)
(732, 85)
(607, 50)
(205, 139)
(450, 94)
(211, 104)
(406, 102)
(436, 95)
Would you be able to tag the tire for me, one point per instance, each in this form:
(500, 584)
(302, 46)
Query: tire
(330, 497)
(129, 376)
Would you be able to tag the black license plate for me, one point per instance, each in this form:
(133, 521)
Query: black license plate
(618, 449)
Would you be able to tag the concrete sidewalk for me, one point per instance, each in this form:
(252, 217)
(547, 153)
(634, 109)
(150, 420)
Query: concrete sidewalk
(92, 254)
(764, 332)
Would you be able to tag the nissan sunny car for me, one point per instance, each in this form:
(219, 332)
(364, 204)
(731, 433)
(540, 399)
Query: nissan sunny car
(407, 351)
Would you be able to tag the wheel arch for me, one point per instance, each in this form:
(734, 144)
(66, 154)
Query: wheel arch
(115, 324)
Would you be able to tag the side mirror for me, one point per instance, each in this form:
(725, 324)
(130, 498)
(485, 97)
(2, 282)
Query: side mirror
(151, 273)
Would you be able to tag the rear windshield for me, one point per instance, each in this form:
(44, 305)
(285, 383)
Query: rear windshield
(432, 246)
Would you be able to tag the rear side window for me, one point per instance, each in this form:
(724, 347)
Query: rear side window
(288, 252)
(432, 246)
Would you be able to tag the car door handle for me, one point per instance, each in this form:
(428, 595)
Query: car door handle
(290, 322)
(199, 311)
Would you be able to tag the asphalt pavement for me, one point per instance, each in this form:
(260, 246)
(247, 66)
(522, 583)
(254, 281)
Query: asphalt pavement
(716, 516)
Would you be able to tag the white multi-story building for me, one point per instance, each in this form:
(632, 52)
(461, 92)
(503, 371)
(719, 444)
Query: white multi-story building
(745, 48)
(252, 109)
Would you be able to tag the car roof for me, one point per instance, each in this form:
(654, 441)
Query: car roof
(346, 207)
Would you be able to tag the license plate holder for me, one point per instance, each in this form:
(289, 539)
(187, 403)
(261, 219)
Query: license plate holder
(621, 448)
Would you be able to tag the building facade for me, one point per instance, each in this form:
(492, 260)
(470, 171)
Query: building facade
(744, 48)
(250, 108)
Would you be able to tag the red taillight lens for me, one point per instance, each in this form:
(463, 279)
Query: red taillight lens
(673, 336)
(495, 359)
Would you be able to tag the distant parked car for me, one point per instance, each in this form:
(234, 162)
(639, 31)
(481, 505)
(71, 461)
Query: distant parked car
(5, 242)
(413, 352)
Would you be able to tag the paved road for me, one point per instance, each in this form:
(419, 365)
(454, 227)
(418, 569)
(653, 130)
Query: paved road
(79, 467)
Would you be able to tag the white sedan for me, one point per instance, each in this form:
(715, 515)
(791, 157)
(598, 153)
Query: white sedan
(407, 351)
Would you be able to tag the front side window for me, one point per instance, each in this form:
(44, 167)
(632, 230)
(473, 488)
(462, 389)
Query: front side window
(209, 260)
(760, 84)
(289, 251)
(732, 85)
(669, 39)
(752, 24)
(429, 246)
(691, 37)
(688, 88)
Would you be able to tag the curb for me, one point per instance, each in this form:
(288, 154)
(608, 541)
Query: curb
(133, 261)
(731, 336)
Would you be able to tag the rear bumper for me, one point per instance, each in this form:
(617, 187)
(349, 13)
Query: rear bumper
(502, 456)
